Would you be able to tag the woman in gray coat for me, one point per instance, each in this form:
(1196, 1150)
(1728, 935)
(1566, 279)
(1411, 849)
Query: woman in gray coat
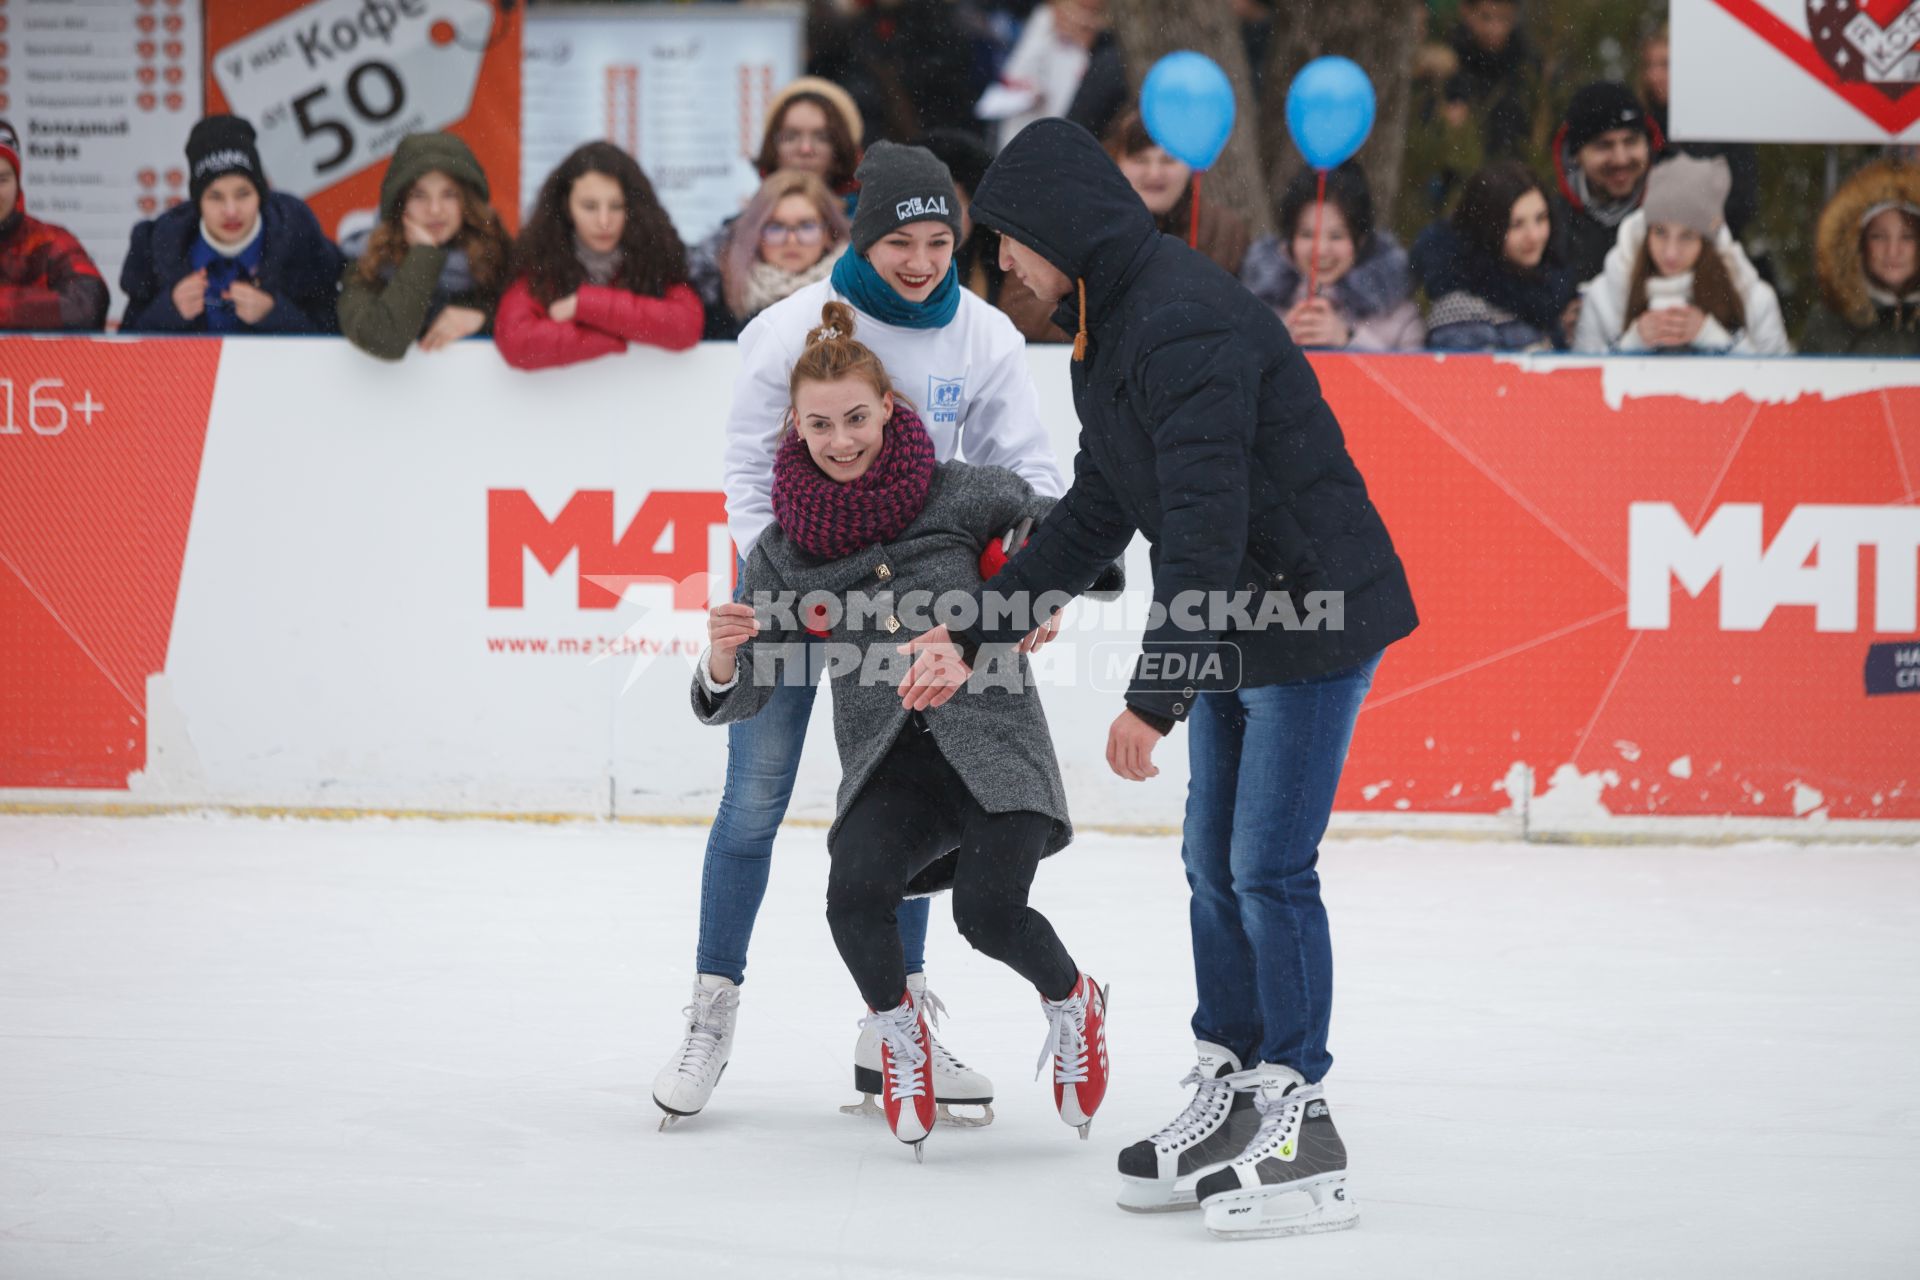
(869, 527)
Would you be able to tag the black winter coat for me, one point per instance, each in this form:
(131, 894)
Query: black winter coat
(1202, 426)
(300, 268)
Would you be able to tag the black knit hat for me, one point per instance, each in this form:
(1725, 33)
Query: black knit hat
(218, 146)
(1601, 107)
(899, 185)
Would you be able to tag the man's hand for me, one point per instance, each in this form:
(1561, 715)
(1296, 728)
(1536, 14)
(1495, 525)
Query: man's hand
(1130, 744)
(937, 672)
(1041, 635)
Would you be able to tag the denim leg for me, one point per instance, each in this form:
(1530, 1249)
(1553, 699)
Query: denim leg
(763, 758)
(912, 915)
(1294, 747)
(1228, 1014)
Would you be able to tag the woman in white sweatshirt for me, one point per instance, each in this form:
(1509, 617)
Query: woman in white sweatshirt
(960, 361)
(1676, 281)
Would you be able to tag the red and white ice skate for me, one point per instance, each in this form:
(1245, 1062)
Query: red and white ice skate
(906, 1071)
(1077, 1043)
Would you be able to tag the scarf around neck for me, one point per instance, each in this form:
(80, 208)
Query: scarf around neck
(224, 265)
(767, 284)
(601, 268)
(856, 280)
(831, 519)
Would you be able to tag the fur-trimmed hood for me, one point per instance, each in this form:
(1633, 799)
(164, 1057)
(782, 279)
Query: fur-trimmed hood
(1843, 269)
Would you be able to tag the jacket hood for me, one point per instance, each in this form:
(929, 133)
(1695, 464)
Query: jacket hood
(1054, 190)
(422, 153)
(1842, 266)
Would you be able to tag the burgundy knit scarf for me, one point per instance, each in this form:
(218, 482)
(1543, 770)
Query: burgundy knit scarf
(833, 520)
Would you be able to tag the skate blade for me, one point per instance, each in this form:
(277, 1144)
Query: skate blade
(920, 1151)
(955, 1119)
(1153, 1195)
(1260, 1212)
(867, 1108)
(1084, 1128)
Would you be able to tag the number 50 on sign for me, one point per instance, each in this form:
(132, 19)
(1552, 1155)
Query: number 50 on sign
(332, 87)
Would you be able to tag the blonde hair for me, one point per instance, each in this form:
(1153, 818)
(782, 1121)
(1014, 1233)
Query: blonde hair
(832, 353)
(743, 242)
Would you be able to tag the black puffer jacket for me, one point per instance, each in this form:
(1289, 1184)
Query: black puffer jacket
(1202, 425)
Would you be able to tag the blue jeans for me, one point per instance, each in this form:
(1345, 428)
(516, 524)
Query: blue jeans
(763, 758)
(1264, 765)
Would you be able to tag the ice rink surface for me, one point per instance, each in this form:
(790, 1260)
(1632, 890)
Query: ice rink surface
(251, 1049)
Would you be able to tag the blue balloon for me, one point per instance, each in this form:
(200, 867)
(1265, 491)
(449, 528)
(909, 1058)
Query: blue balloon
(1330, 110)
(1187, 105)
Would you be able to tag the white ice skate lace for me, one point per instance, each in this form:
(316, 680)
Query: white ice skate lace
(1066, 1040)
(933, 1006)
(709, 1019)
(898, 1030)
(1279, 1116)
(1208, 1105)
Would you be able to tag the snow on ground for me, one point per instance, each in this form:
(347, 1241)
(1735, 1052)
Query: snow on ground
(244, 1048)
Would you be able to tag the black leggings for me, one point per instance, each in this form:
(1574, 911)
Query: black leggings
(913, 810)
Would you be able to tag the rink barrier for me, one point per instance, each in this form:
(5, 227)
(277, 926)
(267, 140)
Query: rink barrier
(275, 577)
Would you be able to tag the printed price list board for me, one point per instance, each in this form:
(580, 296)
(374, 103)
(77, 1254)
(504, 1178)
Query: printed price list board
(102, 95)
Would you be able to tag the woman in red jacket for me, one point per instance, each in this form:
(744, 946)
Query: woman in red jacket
(598, 265)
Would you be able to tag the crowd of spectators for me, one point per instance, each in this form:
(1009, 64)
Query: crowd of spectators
(1607, 238)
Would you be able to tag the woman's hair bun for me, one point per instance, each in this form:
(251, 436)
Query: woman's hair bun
(836, 324)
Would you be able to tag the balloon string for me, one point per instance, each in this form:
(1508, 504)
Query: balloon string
(1193, 223)
(1313, 266)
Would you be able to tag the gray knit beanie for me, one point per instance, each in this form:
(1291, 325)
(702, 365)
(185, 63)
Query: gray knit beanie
(1689, 191)
(899, 185)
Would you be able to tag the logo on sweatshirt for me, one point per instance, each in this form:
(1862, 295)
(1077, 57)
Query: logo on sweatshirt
(943, 399)
(917, 207)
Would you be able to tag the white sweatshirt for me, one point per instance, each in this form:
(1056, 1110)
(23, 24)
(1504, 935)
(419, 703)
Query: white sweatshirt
(968, 380)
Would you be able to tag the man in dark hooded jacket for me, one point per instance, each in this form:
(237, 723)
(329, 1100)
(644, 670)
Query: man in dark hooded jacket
(1276, 588)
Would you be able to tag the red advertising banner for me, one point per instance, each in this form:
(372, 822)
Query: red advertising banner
(333, 85)
(100, 447)
(1673, 588)
(1662, 607)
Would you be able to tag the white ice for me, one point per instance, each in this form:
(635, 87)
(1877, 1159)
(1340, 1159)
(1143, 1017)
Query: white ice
(242, 1048)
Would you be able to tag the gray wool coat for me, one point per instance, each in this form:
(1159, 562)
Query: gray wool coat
(996, 738)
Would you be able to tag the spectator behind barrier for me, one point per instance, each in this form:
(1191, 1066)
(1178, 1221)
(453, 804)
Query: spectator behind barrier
(1600, 156)
(1365, 298)
(1044, 72)
(1487, 271)
(1677, 280)
(978, 257)
(597, 266)
(791, 234)
(47, 281)
(433, 267)
(1476, 98)
(1743, 158)
(813, 126)
(1868, 252)
(237, 257)
(1165, 185)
